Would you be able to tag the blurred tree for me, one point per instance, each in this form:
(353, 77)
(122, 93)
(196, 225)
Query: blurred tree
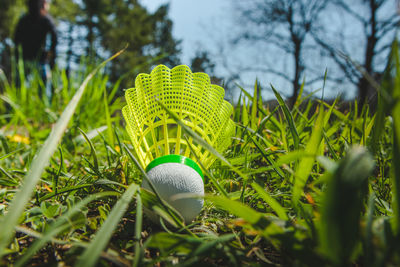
(10, 12)
(93, 15)
(166, 47)
(67, 12)
(202, 62)
(284, 24)
(149, 37)
(96, 29)
(378, 20)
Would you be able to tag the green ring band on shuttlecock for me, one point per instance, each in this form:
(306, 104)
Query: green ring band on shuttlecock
(175, 159)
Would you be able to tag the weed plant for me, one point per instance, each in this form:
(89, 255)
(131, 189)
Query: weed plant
(297, 187)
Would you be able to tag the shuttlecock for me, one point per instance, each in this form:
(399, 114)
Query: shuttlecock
(170, 159)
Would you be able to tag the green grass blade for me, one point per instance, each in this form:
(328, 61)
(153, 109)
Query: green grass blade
(289, 118)
(245, 113)
(236, 112)
(237, 208)
(368, 239)
(10, 154)
(330, 147)
(65, 190)
(244, 91)
(254, 107)
(280, 211)
(61, 224)
(92, 151)
(209, 175)
(342, 205)
(55, 179)
(206, 247)
(108, 119)
(292, 156)
(201, 141)
(18, 112)
(102, 237)
(39, 163)
(396, 135)
(367, 130)
(301, 90)
(9, 180)
(385, 101)
(268, 159)
(176, 216)
(138, 230)
(329, 112)
(305, 166)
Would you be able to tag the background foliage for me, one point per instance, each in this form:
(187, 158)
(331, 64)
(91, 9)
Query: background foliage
(97, 29)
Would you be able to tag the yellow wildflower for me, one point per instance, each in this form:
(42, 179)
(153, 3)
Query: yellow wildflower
(17, 138)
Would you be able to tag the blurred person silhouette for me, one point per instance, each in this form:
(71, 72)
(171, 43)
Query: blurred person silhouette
(37, 36)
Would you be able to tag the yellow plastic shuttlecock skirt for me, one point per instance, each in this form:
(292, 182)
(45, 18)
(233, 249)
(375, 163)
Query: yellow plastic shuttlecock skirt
(197, 103)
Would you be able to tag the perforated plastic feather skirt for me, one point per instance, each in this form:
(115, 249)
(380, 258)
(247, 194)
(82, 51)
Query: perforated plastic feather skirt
(197, 103)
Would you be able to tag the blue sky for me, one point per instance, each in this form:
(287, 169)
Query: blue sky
(192, 21)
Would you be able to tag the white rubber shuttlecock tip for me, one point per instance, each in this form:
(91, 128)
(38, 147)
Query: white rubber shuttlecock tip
(176, 178)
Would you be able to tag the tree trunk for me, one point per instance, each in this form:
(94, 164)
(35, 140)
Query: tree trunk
(298, 69)
(363, 84)
(69, 51)
(90, 37)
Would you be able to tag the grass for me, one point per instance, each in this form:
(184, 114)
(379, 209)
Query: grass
(296, 187)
